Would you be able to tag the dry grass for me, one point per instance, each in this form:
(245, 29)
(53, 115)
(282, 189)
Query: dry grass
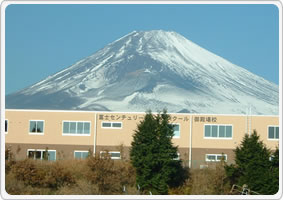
(208, 181)
(110, 176)
(95, 176)
(42, 174)
(82, 177)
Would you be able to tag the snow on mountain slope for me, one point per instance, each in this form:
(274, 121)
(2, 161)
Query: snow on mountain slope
(152, 70)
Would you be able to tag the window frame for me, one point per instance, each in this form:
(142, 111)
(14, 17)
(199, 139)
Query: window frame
(111, 127)
(36, 133)
(207, 160)
(218, 138)
(109, 152)
(41, 150)
(76, 134)
(6, 131)
(274, 126)
(179, 130)
(81, 151)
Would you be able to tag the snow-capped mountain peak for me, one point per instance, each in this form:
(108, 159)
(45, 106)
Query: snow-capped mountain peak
(152, 70)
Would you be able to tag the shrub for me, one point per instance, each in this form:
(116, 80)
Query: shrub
(207, 181)
(9, 154)
(210, 181)
(14, 186)
(82, 187)
(110, 176)
(57, 176)
(185, 189)
(27, 172)
(92, 176)
(42, 174)
(9, 159)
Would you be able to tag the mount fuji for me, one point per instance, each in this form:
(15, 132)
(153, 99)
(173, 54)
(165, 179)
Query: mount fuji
(152, 70)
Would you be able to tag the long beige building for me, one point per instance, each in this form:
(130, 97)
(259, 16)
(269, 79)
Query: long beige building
(202, 139)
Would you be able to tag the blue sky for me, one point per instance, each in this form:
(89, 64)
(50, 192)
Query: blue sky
(44, 39)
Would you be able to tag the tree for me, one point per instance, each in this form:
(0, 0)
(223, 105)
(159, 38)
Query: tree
(154, 156)
(253, 166)
(45, 154)
(274, 170)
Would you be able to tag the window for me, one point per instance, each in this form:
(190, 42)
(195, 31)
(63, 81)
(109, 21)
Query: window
(218, 131)
(117, 125)
(178, 156)
(40, 154)
(271, 157)
(111, 154)
(111, 124)
(6, 126)
(273, 132)
(203, 166)
(176, 129)
(36, 127)
(81, 154)
(215, 157)
(76, 128)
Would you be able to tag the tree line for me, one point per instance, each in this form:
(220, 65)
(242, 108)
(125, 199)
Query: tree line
(157, 169)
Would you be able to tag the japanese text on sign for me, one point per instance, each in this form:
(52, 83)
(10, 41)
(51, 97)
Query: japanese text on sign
(112, 117)
(119, 117)
(205, 119)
